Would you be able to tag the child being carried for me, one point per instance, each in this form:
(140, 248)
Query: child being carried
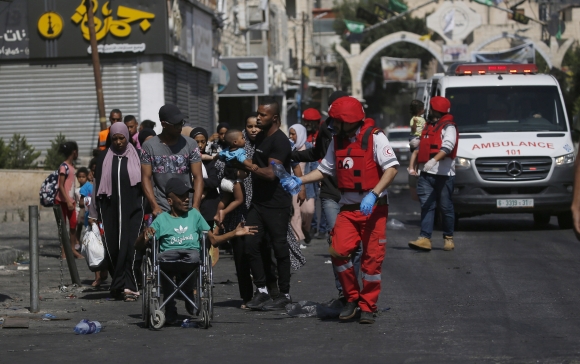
(231, 184)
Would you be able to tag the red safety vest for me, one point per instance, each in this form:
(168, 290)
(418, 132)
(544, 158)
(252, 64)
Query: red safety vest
(430, 143)
(356, 169)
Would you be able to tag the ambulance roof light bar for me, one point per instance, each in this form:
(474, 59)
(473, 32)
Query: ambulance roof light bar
(469, 69)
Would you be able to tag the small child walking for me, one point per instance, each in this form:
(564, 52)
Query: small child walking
(417, 123)
(65, 196)
(86, 194)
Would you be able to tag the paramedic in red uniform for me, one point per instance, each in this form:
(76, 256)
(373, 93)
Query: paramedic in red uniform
(436, 161)
(364, 163)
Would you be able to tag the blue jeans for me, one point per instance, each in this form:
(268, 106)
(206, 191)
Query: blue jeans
(434, 189)
(330, 210)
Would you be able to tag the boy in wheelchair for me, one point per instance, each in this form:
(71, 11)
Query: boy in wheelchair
(178, 232)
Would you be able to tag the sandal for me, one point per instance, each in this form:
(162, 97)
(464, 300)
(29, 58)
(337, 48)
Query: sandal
(129, 297)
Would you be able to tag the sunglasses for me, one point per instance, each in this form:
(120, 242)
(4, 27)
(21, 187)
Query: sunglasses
(181, 123)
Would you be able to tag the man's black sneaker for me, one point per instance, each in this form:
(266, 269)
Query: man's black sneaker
(278, 304)
(349, 311)
(366, 318)
(258, 301)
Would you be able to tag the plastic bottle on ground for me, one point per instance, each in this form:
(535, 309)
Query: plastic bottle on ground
(187, 323)
(86, 327)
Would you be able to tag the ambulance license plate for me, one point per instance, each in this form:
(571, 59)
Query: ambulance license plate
(512, 202)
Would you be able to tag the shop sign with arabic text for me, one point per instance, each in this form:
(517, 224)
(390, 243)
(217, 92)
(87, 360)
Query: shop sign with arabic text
(121, 26)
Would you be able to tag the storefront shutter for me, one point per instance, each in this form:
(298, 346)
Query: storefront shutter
(188, 88)
(40, 100)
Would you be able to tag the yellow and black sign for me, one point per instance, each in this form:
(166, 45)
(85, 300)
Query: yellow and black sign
(120, 27)
(50, 25)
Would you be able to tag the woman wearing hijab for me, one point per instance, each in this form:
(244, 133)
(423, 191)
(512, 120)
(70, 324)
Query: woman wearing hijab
(216, 143)
(302, 219)
(118, 203)
(211, 182)
(145, 135)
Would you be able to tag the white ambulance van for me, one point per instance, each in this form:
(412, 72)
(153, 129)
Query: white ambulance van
(515, 152)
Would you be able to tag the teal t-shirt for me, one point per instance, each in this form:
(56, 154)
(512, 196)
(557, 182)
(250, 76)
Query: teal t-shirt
(181, 232)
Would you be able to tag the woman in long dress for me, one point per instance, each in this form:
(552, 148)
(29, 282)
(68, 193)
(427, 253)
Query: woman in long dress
(118, 203)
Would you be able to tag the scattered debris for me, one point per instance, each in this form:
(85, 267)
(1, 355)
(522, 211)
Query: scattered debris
(16, 323)
(394, 224)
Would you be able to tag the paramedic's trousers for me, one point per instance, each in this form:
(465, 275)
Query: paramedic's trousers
(351, 228)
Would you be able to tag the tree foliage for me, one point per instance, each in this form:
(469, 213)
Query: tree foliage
(53, 157)
(381, 100)
(3, 153)
(21, 155)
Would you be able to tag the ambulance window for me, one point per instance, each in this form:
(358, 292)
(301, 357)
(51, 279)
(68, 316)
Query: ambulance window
(507, 108)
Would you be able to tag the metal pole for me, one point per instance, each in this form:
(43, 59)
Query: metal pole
(398, 16)
(96, 64)
(302, 61)
(33, 240)
(65, 241)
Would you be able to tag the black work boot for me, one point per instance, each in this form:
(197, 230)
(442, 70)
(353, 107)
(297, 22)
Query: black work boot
(366, 318)
(349, 311)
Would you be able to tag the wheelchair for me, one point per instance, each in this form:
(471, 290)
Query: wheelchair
(152, 312)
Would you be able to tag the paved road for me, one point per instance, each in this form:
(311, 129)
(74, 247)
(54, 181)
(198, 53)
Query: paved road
(508, 293)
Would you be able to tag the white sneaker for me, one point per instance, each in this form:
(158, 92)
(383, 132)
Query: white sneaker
(302, 246)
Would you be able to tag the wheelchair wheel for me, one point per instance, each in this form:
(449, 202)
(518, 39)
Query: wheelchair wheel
(158, 319)
(205, 319)
(146, 286)
(210, 287)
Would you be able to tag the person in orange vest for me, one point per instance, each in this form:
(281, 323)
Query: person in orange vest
(365, 165)
(435, 157)
(114, 117)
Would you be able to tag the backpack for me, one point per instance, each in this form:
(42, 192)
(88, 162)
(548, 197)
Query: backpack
(49, 187)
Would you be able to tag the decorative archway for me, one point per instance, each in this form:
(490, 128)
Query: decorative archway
(553, 55)
(358, 61)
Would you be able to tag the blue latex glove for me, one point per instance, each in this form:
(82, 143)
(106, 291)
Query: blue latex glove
(366, 206)
(291, 184)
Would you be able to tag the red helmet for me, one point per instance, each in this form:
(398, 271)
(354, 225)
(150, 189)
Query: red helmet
(440, 104)
(311, 115)
(347, 109)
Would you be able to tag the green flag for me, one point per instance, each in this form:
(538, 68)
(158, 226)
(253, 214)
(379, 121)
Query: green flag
(354, 26)
(485, 2)
(397, 6)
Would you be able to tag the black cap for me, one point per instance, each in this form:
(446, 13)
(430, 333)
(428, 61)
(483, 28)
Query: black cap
(176, 186)
(171, 114)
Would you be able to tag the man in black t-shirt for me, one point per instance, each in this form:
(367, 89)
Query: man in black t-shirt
(270, 210)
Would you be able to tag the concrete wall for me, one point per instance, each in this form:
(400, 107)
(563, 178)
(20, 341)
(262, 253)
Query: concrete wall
(19, 189)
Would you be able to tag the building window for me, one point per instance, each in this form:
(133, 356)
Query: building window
(322, 25)
(256, 16)
(291, 8)
(568, 14)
